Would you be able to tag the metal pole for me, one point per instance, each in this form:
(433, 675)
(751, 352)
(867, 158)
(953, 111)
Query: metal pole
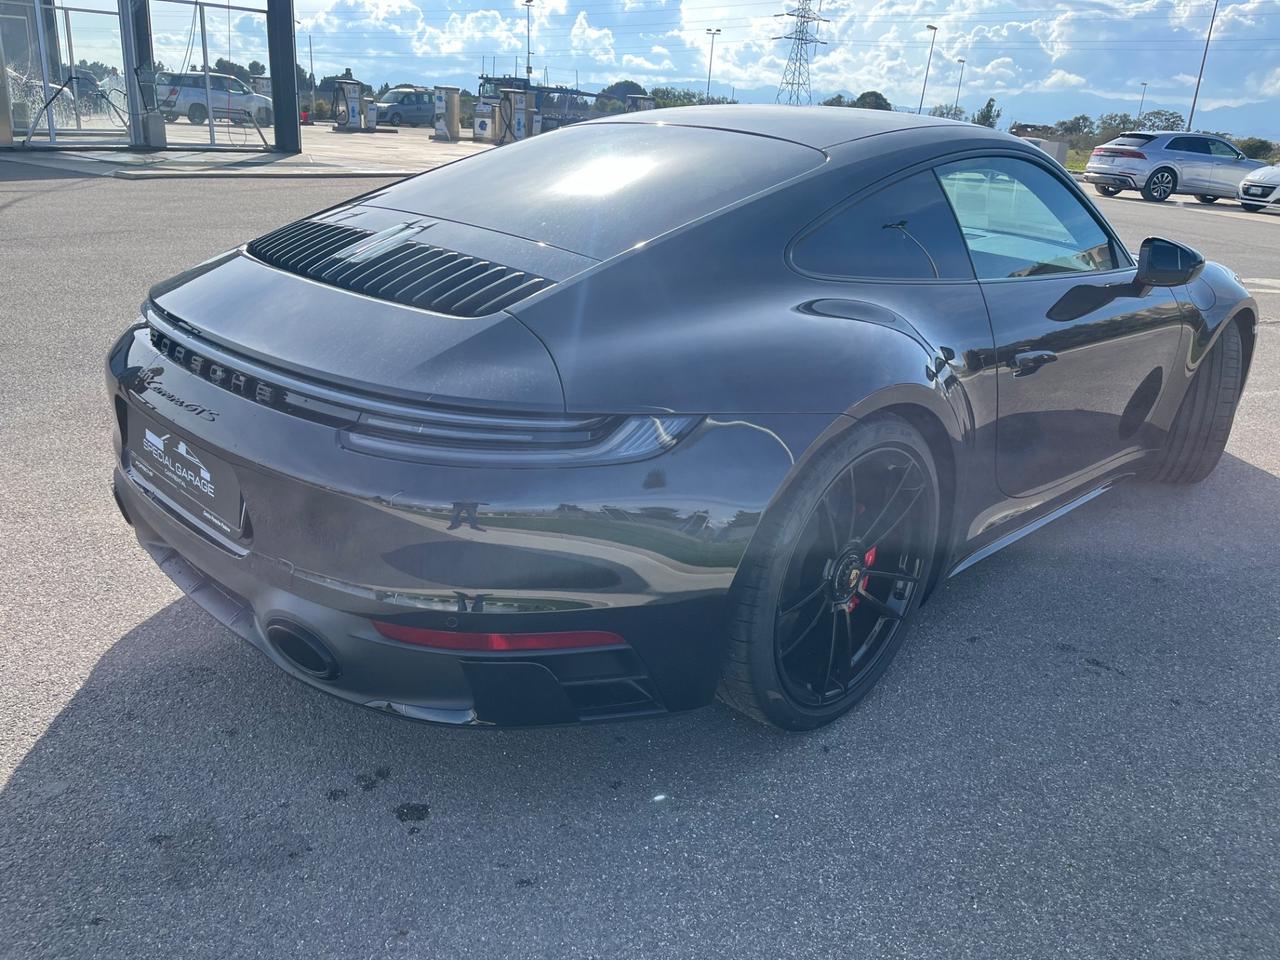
(208, 90)
(44, 74)
(955, 107)
(712, 58)
(924, 86)
(1141, 101)
(528, 39)
(1205, 56)
(311, 56)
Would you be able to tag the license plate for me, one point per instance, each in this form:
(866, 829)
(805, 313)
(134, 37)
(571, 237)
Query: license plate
(1107, 160)
(192, 477)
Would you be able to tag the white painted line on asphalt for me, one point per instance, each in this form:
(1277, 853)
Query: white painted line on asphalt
(1261, 284)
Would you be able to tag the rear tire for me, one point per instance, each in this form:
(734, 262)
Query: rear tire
(1200, 431)
(197, 114)
(1106, 191)
(395, 119)
(834, 550)
(1160, 185)
(1205, 198)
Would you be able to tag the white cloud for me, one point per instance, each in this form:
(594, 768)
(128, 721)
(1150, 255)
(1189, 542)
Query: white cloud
(589, 41)
(1062, 80)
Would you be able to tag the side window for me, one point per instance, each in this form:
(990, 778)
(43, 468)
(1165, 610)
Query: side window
(1223, 150)
(1189, 144)
(1019, 220)
(218, 84)
(902, 232)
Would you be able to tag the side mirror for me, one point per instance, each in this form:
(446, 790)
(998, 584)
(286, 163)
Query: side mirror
(1163, 263)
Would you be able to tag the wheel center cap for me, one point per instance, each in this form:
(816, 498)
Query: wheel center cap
(845, 576)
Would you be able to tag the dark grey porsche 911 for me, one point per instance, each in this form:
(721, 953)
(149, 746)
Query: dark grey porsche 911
(601, 423)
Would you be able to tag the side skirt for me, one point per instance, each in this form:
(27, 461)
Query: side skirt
(997, 545)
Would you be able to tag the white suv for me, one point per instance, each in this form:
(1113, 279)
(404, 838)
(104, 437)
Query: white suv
(183, 95)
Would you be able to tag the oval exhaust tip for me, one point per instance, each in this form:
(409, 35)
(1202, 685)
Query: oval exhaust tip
(303, 649)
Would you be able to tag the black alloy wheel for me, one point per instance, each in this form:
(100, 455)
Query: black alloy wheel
(844, 571)
(395, 119)
(197, 114)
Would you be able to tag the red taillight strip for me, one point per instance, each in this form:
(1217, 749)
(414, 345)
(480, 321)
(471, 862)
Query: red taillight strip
(496, 642)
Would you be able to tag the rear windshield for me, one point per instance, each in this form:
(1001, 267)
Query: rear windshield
(598, 189)
(1131, 140)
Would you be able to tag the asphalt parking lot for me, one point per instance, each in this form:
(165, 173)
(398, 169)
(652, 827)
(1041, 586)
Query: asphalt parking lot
(1074, 756)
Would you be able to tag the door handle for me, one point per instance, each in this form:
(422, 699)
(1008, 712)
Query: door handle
(1028, 363)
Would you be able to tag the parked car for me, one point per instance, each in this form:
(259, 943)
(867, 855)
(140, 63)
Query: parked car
(1260, 189)
(184, 95)
(411, 105)
(711, 400)
(1162, 163)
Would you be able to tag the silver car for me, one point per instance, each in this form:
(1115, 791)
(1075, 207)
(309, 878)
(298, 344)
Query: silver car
(1160, 164)
(1260, 189)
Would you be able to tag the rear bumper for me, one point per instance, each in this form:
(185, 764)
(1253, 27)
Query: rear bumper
(670, 661)
(339, 539)
(1123, 181)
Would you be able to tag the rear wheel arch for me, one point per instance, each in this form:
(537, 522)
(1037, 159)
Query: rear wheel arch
(942, 446)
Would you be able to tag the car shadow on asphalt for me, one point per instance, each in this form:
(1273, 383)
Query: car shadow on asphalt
(187, 762)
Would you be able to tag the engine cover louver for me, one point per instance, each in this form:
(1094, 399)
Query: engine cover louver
(401, 270)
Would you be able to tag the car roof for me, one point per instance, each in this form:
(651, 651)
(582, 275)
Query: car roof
(818, 127)
(1166, 133)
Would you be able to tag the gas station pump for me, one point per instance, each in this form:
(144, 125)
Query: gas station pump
(509, 116)
(347, 115)
(516, 116)
(448, 123)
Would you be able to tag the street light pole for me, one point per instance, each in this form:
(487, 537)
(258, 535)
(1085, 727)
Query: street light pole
(924, 86)
(955, 107)
(528, 39)
(1205, 56)
(711, 59)
(1142, 101)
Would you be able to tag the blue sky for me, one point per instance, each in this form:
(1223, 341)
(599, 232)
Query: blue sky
(1041, 60)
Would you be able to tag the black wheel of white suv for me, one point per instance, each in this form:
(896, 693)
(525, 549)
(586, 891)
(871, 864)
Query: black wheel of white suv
(1105, 190)
(1160, 185)
(1200, 431)
(821, 606)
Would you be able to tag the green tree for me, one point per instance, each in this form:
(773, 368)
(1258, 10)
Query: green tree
(1111, 124)
(872, 100)
(1163, 120)
(1256, 148)
(676, 97)
(1081, 125)
(223, 65)
(948, 111)
(621, 89)
(837, 101)
(988, 115)
(257, 69)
